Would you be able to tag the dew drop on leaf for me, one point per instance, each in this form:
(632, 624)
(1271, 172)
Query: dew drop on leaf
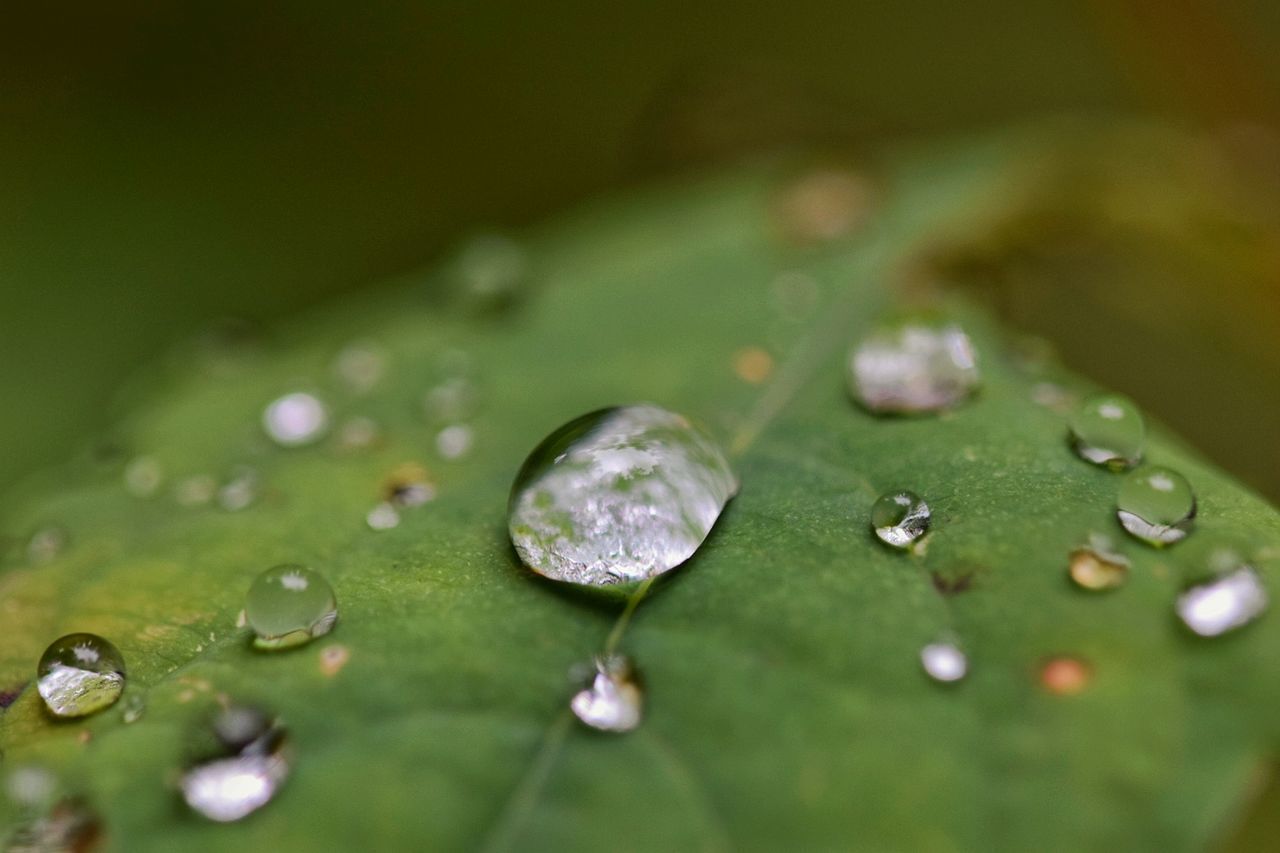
(454, 441)
(80, 674)
(1108, 430)
(288, 605)
(492, 270)
(240, 491)
(46, 544)
(296, 419)
(67, 826)
(900, 518)
(1227, 602)
(613, 701)
(384, 516)
(617, 496)
(1156, 505)
(143, 476)
(360, 366)
(241, 763)
(913, 367)
(132, 707)
(944, 662)
(1097, 566)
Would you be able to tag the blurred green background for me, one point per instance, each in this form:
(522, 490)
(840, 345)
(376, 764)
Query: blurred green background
(165, 165)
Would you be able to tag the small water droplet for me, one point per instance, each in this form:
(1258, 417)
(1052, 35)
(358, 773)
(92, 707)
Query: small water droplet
(944, 662)
(1097, 566)
(296, 419)
(454, 442)
(288, 605)
(240, 491)
(1227, 602)
(1050, 395)
(46, 544)
(143, 476)
(384, 516)
(31, 787)
(132, 707)
(618, 496)
(242, 763)
(1156, 505)
(196, 490)
(900, 518)
(913, 367)
(1108, 429)
(80, 674)
(358, 433)
(409, 485)
(613, 701)
(825, 204)
(1065, 676)
(360, 366)
(492, 269)
(753, 365)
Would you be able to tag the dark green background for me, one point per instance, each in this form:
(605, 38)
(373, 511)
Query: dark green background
(162, 165)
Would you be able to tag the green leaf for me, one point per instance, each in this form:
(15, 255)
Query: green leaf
(786, 706)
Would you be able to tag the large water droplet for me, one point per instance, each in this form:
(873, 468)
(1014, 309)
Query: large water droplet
(900, 518)
(296, 419)
(80, 674)
(288, 605)
(1098, 567)
(1223, 604)
(1108, 429)
(913, 367)
(241, 769)
(618, 496)
(614, 699)
(944, 662)
(1156, 505)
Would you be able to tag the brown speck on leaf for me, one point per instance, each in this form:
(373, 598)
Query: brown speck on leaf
(333, 659)
(9, 695)
(1065, 676)
(85, 736)
(825, 204)
(753, 365)
(953, 583)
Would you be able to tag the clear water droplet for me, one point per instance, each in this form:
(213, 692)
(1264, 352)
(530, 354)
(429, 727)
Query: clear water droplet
(1227, 602)
(358, 433)
(613, 701)
(31, 786)
(1098, 567)
(900, 518)
(383, 516)
(132, 707)
(944, 662)
(143, 476)
(409, 485)
(46, 544)
(240, 491)
(66, 826)
(241, 767)
(492, 269)
(454, 442)
(360, 366)
(288, 605)
(913, 367)
(1050, 395)
(1108, 429)
(296, 419)
(1156, 505)
(451, 400)
(80, 674)
(618, 496)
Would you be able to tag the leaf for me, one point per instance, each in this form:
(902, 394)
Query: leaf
(787, 709)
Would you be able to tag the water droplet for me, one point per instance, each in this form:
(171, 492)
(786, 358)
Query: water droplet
(241, 768)
(1065, 676)
(913, 367)
(753, 365)
(618, 496)
(492, 268)
(1097, 566)
(143, 476)
(409, 485)
(296, 419)
(240, 491)
(1108, 429)
(287, 605)
(132, 707)
(383, 516)
(454, 442)
(900, 518)
(80, 674)
(1156, 505)
(31, 786)
(944, 662)
(614, 699)
(68, 826)
(360, 366)
(46, 544)
(358, 433)
(1050, 395)
(1230, 601)
(825, 204)
(196, 490)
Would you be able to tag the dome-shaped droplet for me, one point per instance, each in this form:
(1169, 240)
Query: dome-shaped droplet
(614, 699)
(287, 605)
(1156, 505)
(913, 367)
(241, 763)
(80, 674)
(1230, 601)
(296, 419)
(1108, 429)
(900, 518)
(1097, 566)
(944, 662)
(618, 496)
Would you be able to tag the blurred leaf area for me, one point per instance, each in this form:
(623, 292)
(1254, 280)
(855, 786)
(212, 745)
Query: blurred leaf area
(164, 166)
